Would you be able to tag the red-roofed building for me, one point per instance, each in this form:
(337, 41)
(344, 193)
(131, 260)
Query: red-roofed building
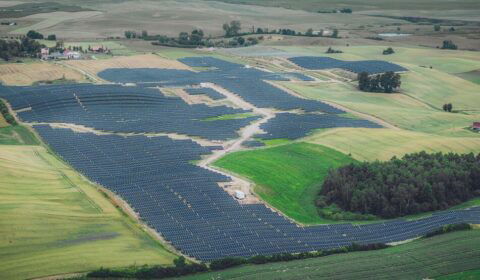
(476, 126)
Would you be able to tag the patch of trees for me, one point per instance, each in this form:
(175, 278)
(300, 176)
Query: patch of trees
(52, 37)
(330, 50)
(181, 268)
(386, 82)
(388, 51)
(196, 39)
(32, 34)
(449, 45)
(232, 29)
(6, 114)
(25, 47)
(448, 107)
(333, 11)
(414, 184)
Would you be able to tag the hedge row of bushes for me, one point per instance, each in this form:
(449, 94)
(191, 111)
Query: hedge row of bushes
(182, 268)
(448, 228)
(6, 114)
(150, 272)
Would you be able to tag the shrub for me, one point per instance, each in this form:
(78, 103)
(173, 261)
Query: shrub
(448, 228)
(226, 263)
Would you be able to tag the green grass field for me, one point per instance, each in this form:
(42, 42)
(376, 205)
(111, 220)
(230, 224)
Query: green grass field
(17, 135)
(288, 177)
(52, 221)
(432, 258)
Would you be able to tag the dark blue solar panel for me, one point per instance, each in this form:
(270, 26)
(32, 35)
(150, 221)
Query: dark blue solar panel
(369, 66)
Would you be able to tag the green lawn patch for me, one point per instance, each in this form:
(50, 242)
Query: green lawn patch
(17, 135)
(288, 177)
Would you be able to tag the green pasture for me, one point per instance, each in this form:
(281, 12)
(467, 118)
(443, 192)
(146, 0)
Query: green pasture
(288, 177)
(433, 258)
(400, 110)
(472, 76)
(17, 135)
(52, 221)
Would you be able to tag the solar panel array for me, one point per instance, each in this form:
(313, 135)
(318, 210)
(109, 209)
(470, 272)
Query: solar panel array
(185, 205)
(249, 83)
(293, 126)
(123, 109)
(369, 66)
(155, 175)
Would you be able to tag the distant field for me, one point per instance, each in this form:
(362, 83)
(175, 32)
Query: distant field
(26, 9)
(27, 74)
(472, 76)
(53, 222)
(366, 144)
(443, 255)
(288, 177)
(315, 5)
(397, 109)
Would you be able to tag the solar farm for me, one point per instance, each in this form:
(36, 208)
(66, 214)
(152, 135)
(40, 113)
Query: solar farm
(369, 66)
(130, 151)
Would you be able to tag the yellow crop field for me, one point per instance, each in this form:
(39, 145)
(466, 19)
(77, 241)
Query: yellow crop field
(27, 74)
(368, 144)
(136, 61)
(52, 221)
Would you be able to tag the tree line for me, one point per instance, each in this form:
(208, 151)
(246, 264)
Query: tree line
(6, 114)
(181, 268)
(416, 183)
(25, 47)
(386, 82)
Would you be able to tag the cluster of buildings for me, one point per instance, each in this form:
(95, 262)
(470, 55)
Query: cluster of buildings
(68, 54)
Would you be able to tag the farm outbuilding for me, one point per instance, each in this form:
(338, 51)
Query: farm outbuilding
(476, 126)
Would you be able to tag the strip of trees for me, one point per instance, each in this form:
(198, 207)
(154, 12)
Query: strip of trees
(387, 82)
(181, 268)
(6, 114)
(414, 184)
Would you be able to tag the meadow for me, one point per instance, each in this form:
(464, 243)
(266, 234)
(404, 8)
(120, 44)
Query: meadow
(449, 256)
(63, 218)
(287, 177)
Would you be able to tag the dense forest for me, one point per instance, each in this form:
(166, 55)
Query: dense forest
(414, 184)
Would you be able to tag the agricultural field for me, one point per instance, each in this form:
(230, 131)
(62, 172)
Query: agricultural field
(92, 67)
(449, 256)
(64, 219)
(29, 73)
(288, 176)
(138, 156)
(383, 144)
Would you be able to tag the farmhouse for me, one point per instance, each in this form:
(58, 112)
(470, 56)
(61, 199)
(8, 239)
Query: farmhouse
(476, 126)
